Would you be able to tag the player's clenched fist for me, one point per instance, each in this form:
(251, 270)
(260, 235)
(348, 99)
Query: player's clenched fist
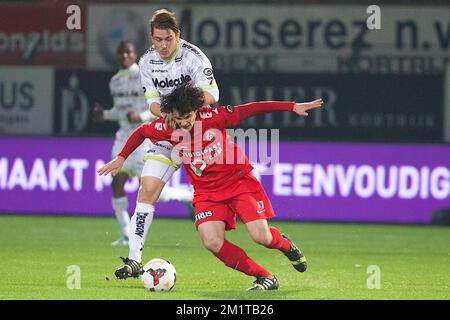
(112, 167)
(302, 108)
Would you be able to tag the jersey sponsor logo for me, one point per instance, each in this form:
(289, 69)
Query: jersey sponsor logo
(197, 166)
(207, 72)
(179, 59)
(125, 79)
(162, 146)
(160, 126)
(205, 115)
(156, 62)
(208, 114)
(149, 50)
(160, 70)
(115, 80)
(203, 215)
(208, 153)
(125, 94)
(168, 83)
(210, 134)
(191, 48)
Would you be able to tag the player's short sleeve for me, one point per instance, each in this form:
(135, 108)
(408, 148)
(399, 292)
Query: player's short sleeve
(151, 94)
(203, 76)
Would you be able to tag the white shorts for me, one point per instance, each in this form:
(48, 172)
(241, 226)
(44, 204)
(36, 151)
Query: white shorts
(160, 162)
(135, 162)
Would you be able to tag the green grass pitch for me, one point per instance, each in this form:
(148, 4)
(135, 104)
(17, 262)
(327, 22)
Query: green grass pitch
(413, 261)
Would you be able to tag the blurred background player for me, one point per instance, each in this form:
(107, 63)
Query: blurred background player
(169, 63)
(130, 110)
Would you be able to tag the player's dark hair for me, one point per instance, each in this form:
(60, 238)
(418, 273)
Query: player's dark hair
(164, 19)
(184, 99)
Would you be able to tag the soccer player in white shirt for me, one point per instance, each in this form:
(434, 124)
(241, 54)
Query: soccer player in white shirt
(130, 110)
(170, 62)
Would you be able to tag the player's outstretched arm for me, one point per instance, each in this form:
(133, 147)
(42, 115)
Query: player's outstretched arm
(256, 108)
(112, 167)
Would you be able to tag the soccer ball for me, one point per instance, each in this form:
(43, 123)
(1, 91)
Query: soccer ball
(159, 275)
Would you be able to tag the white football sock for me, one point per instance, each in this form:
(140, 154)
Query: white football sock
(120, 206)
(139, 226)
(175, 194)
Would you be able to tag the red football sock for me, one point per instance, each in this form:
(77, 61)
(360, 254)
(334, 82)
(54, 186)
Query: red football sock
(234, 257)
(278, 242)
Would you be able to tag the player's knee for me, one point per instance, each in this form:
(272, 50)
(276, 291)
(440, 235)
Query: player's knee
(147, 194)
(212, 244)
(262, 238)
(147, 188)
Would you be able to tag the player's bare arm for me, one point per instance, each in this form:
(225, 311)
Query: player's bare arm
(252, 109)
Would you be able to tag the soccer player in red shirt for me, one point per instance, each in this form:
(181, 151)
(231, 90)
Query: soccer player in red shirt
(221, 175)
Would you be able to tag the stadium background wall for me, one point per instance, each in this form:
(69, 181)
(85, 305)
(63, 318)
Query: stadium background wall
(381, 108)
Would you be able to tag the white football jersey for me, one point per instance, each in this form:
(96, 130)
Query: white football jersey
(190, 64)
(126, 90)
